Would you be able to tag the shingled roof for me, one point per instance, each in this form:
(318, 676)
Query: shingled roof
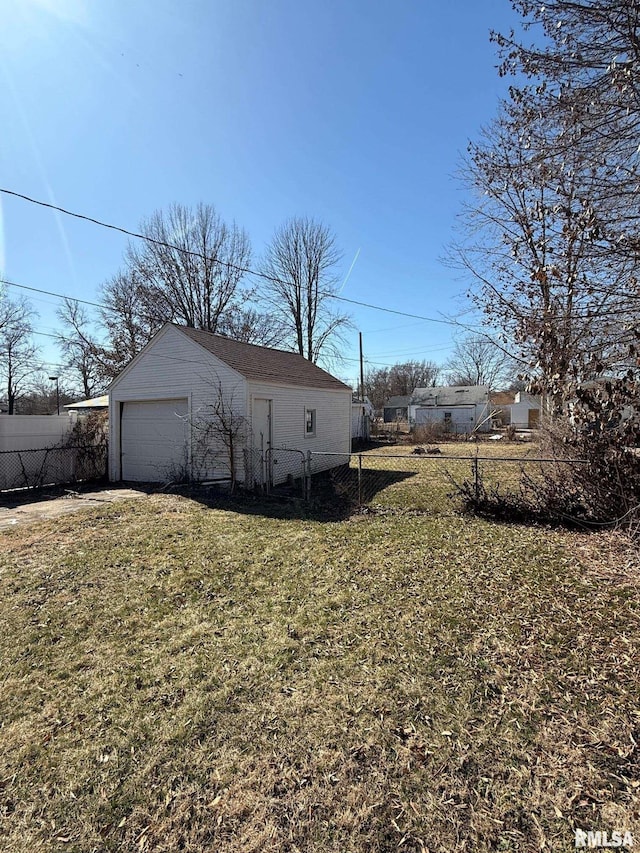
(264, 364)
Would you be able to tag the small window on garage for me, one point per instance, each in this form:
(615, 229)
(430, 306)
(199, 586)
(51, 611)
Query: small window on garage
(447, 417)
(309, 422)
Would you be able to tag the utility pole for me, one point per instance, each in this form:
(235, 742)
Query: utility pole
(361, 372)
(363, 430)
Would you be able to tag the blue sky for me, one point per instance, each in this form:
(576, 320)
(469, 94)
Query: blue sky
(352, 112)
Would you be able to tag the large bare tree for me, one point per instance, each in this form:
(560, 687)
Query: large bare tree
(584, 61)
(189, 267)
(476, 360)
(18, 353)
(542, 269)
(84, 359)
(300, 265)
(252, 326)
(399, 380)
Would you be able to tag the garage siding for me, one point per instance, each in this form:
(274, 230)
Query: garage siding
(333, 419)
(175, 367)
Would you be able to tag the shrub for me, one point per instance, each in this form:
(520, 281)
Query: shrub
(595, 480)
(433, 432)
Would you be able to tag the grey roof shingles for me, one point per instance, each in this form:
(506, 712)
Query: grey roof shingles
(454, 395)
(264, 364)
(397, 402)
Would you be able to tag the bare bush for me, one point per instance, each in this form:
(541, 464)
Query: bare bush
(593, 482)
(89, 440)
(433, 433)
(510, 433)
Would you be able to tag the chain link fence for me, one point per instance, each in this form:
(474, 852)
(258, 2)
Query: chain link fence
(287, 468)
(47, 466)
(423, 481)
(282, 469)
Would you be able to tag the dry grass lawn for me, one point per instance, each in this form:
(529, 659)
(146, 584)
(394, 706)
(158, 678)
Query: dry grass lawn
(181, 678)
(397, 478)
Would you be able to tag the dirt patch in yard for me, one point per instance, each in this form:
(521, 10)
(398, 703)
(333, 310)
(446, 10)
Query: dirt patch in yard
(29, 508)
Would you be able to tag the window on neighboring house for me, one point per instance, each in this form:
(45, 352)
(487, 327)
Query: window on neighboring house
(447, 417)
(310, 421)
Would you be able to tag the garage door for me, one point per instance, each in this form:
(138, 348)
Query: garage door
(153, 440)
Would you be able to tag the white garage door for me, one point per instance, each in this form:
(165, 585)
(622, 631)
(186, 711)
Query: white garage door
(153, 440)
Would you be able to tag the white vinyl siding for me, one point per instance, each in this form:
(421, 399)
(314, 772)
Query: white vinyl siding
(458, 419)
(332, 420)
(174, 367)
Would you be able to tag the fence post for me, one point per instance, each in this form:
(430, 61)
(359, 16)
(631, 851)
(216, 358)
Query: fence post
(308, 475)
(476, 484)
(359, 479)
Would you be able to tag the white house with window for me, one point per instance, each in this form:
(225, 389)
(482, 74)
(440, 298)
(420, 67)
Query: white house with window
(458, 408)
(193, 405)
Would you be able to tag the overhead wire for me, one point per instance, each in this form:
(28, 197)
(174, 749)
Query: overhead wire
(241, 269)
(236, 267)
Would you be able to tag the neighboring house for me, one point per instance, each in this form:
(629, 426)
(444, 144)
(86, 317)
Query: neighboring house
(201, 406)
(460, 409)
(525, 411)
(361, 416)
(85, 407)
(396, 409)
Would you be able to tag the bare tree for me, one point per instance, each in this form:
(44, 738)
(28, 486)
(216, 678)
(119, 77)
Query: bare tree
(477, 361)
(251, 326)
(187, 270)
(219, 433)
(190, 266)
(83, 357)
(128, 319)
(300, 262)
(541, 269)
(42, 397)
(399, 380)
(18, 353)
(584, 67)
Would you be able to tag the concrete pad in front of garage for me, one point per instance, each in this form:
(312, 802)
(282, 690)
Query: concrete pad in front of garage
(28, 509)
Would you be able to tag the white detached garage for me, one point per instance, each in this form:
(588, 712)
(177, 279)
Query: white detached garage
(194, 405)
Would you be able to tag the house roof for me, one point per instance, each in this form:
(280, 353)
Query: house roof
(264, 364)
(397, 402)
(455, 395)
(93, 403)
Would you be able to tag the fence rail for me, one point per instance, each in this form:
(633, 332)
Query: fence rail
(47, 466)
(421, 481)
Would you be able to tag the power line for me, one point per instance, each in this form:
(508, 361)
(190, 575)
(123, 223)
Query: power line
(46, 335)
(52, 293)
(10, 283)
(245, 270)
(248, 271)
